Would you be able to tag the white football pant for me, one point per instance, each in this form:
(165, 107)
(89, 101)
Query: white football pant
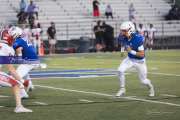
(139, 65)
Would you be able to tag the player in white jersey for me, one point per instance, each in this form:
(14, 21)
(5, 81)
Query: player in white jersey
(151, 35)
(136, 58)
(14, 80)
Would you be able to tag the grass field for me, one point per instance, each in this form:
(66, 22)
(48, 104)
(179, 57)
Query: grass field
(93, 98)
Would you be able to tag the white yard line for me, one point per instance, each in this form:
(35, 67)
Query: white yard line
(108, 95)
(1, 106)
(40, 103)
(174, 62)
(3, 96)
(165, 74)
(168, 95)
(158, 113)
(84, 100)
(154, 68)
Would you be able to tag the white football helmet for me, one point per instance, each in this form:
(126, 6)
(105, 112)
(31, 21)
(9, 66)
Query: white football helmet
(128, 26)
(15, 32)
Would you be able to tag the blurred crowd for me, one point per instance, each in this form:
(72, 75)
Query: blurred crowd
(28, 21)
(174, 13)
(105, 38)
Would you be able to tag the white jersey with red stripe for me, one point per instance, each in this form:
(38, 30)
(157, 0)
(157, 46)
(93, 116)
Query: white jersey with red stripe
(6, 50)
(5, 79)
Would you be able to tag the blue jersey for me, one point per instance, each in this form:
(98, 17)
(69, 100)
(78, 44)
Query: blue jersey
(135, 43)
(28, 51)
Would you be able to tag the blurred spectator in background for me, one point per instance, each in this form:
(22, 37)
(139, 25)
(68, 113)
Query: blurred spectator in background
(36, 35)
(108, 36)
(51, 32)
(39, 26)
(151, 35)
(141, 30)
(96, 12)
(174, 13)
(132, 13)
(109, 12)
(31, 7)
(121, 44)
(22, 17)
(26, 33)
(98, 31)
(23, 5)
(31, 20)
(36, 11)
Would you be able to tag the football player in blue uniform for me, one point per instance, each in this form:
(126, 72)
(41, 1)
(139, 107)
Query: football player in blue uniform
(136, 58)
(27, 51)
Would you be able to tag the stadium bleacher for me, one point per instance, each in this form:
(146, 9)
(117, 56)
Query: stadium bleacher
(74, 19)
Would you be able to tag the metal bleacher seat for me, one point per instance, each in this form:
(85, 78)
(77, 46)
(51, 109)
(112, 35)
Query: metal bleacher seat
(74, 19)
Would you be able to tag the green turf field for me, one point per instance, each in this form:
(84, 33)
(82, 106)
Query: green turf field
(93, 98)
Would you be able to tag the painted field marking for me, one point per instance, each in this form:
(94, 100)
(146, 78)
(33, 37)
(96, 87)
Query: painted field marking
(154, 68)
(108, 72)
(80, 77)
(158, 113)
(84, 100)
(1, 106)
(3, 96)
(168, 95)
(109, 95)
(40, 103)
(165, 74)
(173, 62)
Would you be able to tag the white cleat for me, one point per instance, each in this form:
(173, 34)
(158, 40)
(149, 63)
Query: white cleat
(22, 109)
(121, 92)
(151, 92)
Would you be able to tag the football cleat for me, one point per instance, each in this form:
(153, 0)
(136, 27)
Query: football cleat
(22, 109)
(121, 92)
(151, 92)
